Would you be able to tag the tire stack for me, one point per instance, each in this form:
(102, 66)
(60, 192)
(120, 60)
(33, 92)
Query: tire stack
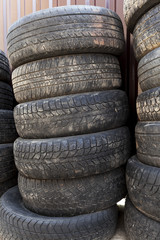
(8, 172)
(142, 214)
(71, 121)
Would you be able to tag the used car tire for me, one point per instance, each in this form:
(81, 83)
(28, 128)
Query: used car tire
(72, 157)
(149, 70)
(65, 30)
(143, 182)
(72, 114)
(6, 96)
(95, 226)
(4, 186)
(5, 73)
(70, 197)
(64, 75)
(148, 142)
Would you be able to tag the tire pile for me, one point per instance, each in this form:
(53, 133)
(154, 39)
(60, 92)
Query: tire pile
(71, 120)
(142, 214)
(8, 172)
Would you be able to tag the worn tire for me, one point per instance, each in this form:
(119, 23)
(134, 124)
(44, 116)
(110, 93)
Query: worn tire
(66, 75)
(138, 226)
(148, 105)
(5, 73)
(4, 186)
(146, 33)
(7, 166)
(18, 223)
(72, 157)
(71, 115)
(149, 70)
(8, 131)
(143, 183)
(83, 29)
(148, 142)
(134, 9)
(6, 96)
(70, 197)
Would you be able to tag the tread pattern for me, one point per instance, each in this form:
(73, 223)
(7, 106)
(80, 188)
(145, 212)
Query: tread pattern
(64, 75)
(7, 166)
(148, 142)
(8, 131)
(73, 196)
(65, 30)
(6, 96)
(71, 115)
(71, 157)
(19, 223)
(5, 73)
(149, 70)
(148, 105)
(147, 33)
(143, 184)
(138, 226)
(135, 9)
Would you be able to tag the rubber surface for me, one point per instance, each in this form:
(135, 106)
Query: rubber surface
(5, 73)
(4, 186)
(73, 197)
(148, 142)
(149, 70)
(71, 115)
(7, 127)
(71, 157)
(143, 183)
(6, 96)
(148, 105)
(66, 75)
(7, 166)
(147, 33)
(134, 9)
(65, 30)
(138, 226)
(18, 223)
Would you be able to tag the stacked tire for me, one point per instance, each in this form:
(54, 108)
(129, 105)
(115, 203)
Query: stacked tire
(73, 142)
(8, 173)
(142, 215)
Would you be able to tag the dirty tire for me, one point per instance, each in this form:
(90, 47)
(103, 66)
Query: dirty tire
(4, 186)
(5, 73)
(6, 96)
(65, 30)
(28, 225)
(135, 9)
(143, 183)
(148, 105)
(64, 75)
(147, 33)
(8, 131)
(148, 142)
(7, 166)
(71, 115)
(70, 197)
(138, 226)
(71, 157)
(149, 70)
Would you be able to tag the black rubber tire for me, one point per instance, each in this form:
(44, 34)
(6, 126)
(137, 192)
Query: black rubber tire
(7, 166)
(148, 105)
(66, 75)
(72, 115)
(134, 9)
(5, 73)
(148, 142)
(65, 30)
(143, 183)
(72, 157)
(6, 96)
(4, 186)
(138, 226)
(18, 223)
(149, 70)
(70, 197)
(8, 131)
(146, 33)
